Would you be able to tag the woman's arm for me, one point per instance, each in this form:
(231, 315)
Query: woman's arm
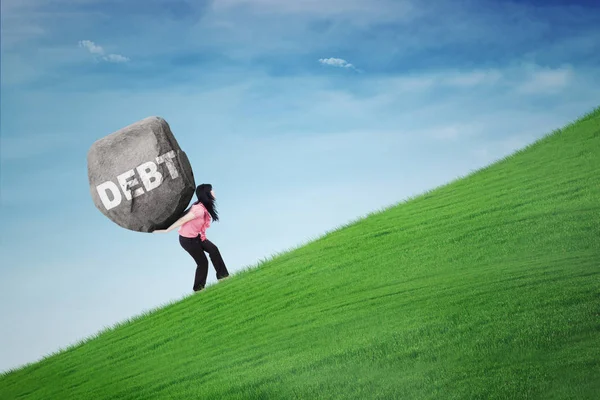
(187, 217)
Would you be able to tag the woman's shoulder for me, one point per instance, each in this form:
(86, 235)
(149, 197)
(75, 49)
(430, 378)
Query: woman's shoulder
(198, 208)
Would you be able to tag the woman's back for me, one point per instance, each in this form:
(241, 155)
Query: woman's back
(198, 225)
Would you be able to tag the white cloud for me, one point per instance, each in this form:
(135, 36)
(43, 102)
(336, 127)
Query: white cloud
(117, 58)
(494, 149)
(25, 22)
(546, 80)
(451, 132)
(337, 62)
(523, 79)
(357, 10)
(98, 50)
(473, 78)
(91, 47)
(428, 81)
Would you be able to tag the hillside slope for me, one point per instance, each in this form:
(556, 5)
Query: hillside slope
(488, 287)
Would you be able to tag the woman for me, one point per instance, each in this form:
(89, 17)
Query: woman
(192, 235)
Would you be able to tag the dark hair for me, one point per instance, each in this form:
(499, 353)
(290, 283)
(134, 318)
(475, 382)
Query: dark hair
(206, 198)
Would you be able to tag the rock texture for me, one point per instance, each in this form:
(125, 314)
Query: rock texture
(139, 176)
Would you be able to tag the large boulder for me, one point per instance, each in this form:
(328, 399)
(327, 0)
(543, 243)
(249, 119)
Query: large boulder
(139, 176)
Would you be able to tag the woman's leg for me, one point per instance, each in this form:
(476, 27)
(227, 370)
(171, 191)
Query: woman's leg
(215, 257)
(194, 248)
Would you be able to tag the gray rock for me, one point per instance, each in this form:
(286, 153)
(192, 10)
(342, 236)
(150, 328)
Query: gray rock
(139, 176)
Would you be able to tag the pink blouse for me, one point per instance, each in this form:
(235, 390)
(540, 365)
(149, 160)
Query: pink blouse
(198, 225)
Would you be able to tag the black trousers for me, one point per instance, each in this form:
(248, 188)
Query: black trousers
(196, 248)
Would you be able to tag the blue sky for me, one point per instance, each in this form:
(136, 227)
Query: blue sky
(304, 116)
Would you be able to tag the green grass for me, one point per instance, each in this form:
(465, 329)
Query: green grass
(485, 288)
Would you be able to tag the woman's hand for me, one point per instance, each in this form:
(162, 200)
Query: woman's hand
(160, 231)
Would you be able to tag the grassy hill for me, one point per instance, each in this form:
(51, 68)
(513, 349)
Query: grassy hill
(485, 288)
